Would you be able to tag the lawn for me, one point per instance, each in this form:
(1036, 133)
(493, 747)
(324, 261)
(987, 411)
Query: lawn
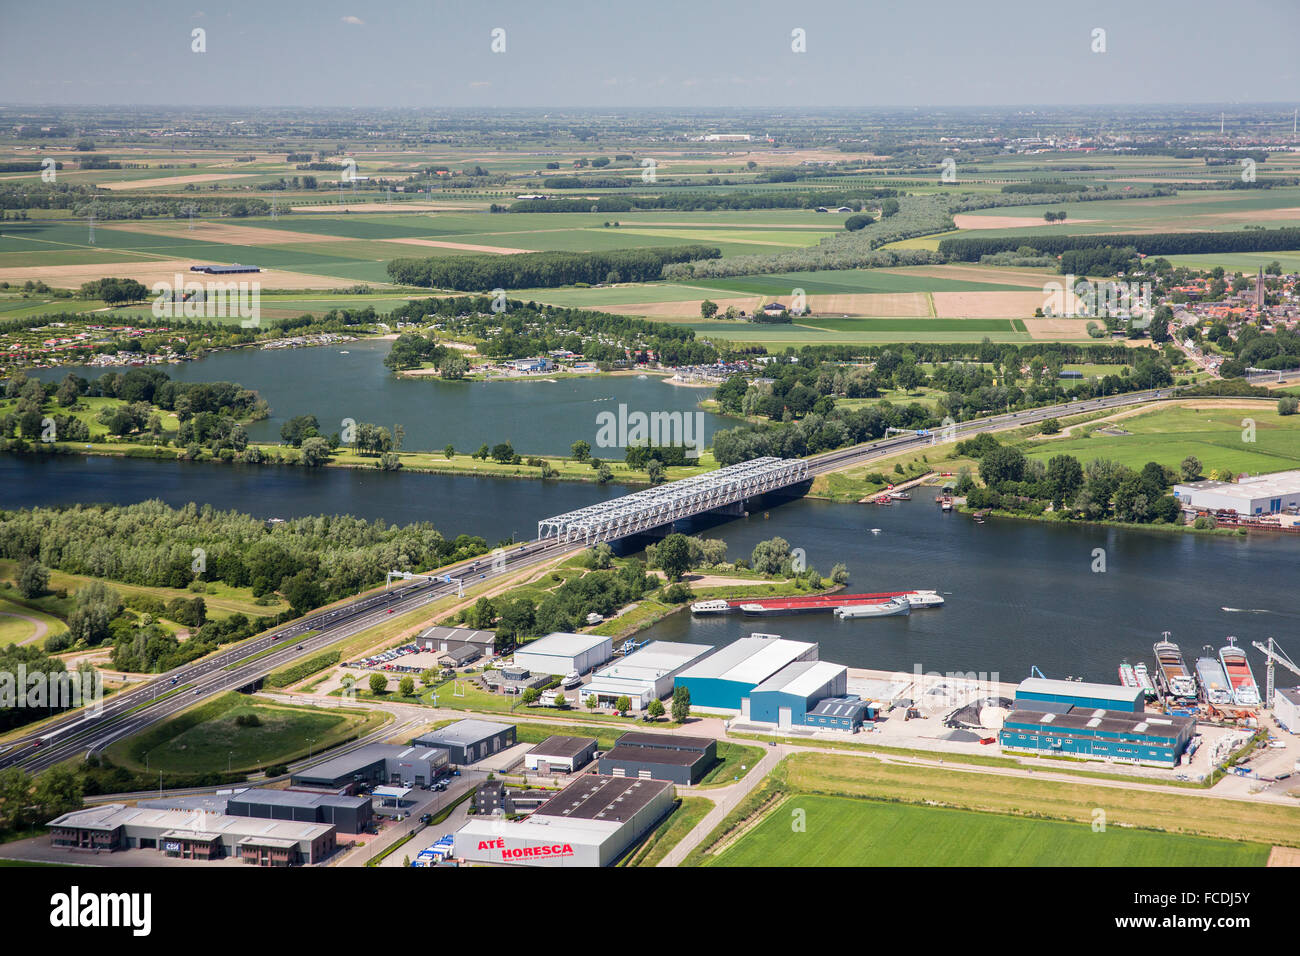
(685, 817)
(841, 831)
(1167, 434)
(209, 739)
(15, 630)
(734, 762)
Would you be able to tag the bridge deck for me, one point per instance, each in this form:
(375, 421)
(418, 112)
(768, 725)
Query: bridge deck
(664, 504)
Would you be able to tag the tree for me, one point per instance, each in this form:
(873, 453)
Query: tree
(656, 709)
(302, 591)
(561, 701)
(655, 471)
(580, 450)
(1002, 464)
(530, 695)
(603, 474)
(406, 686)
(681, 708)
(591, 702)
(840, 573)
(378, 683)
(1287, 405)
(315, 452)
(1190, 468)
(623, 704)
(1065, 476)
(449, 452)
(1051, 426)
(673, 555)
(33, 579)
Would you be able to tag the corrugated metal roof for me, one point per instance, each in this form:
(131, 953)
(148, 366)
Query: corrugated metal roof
(750, 660)
(802, 678)
(1037, 685)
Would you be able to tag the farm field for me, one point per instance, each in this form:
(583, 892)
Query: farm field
(843, 831)
(1211, 430)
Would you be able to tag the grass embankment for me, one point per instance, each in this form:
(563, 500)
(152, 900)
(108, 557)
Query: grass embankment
(210, 738)
(685, 817)
(734, 762)
(16, 618)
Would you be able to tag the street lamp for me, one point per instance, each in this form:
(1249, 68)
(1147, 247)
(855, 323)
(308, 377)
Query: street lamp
(309, 743)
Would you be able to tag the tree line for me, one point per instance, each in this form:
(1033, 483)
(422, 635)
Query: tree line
(970, 249)
(543, 269)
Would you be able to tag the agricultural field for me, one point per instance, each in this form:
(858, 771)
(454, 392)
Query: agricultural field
(1214, 431)
(841, 831)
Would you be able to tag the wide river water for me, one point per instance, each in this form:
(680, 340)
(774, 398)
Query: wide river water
(1018, 593)
(537, 415)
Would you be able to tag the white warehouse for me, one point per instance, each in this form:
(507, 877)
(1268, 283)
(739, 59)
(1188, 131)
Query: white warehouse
(1260, 495)
(561, 653)
(644, 675)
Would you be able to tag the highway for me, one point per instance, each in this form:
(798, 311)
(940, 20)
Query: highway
(129, 712)
(80, 733)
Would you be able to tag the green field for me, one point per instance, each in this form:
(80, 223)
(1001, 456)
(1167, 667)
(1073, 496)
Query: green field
(15, 630)
(842, 831)
(208, 738)
(1168, 434)
(864, 331)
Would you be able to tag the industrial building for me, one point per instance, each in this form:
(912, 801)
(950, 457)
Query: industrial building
(193, 835)
(680, 759)
(592, 822)
(1286, 708)
(492, 796)
(840, 713)
(562, 653)
(787, 696)
(568, 754)
(725, 678)
(1120, 736)
(1037, 693)
(443, 639)
(644, 675)
(349, 814)
(414, 766)
(469, 741)
(1260, 495)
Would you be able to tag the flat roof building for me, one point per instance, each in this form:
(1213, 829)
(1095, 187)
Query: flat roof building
(644, 675)
(563, 653)
(439, 638)
(349, 814)
(592, 822)
(674, 757)
(469, 741)
(1037, 691)
(1120, 736)
(1261, 494)
(561, 753)
(1286, 708)
(413, 766)
(787, 696)
(726, 677)
(193, 835)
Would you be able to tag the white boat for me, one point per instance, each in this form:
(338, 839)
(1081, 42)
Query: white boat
(924, 599)
(571, 680)
(875, 531)
(900, 496)
(710, 607)
(884, 609)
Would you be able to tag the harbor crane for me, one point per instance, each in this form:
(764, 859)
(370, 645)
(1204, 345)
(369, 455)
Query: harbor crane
(1274, 654)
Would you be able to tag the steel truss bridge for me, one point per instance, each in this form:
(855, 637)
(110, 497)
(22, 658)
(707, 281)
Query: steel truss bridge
(664, 504)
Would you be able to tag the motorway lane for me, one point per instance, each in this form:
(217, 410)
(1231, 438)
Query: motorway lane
(82, 733)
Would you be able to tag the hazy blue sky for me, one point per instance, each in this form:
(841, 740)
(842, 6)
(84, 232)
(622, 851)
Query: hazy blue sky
(676, 53)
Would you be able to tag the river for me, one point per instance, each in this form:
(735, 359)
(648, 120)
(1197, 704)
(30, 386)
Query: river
(349, 380)
(1018, 593)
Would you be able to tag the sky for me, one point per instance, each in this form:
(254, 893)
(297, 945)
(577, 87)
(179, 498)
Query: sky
(648, 53)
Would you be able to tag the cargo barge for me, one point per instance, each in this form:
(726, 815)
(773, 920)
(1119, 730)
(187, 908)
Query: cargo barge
(1214, 682)
(1245, 692)
(815, 603)
(1171, 671)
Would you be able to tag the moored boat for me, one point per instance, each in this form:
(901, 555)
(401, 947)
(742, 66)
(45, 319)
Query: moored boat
(711, 607)
(1144, 679)
(1175, 679)
(924, 599)
(890, 608)
(1245, 692)
(1126, 675)
(1214, 682)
